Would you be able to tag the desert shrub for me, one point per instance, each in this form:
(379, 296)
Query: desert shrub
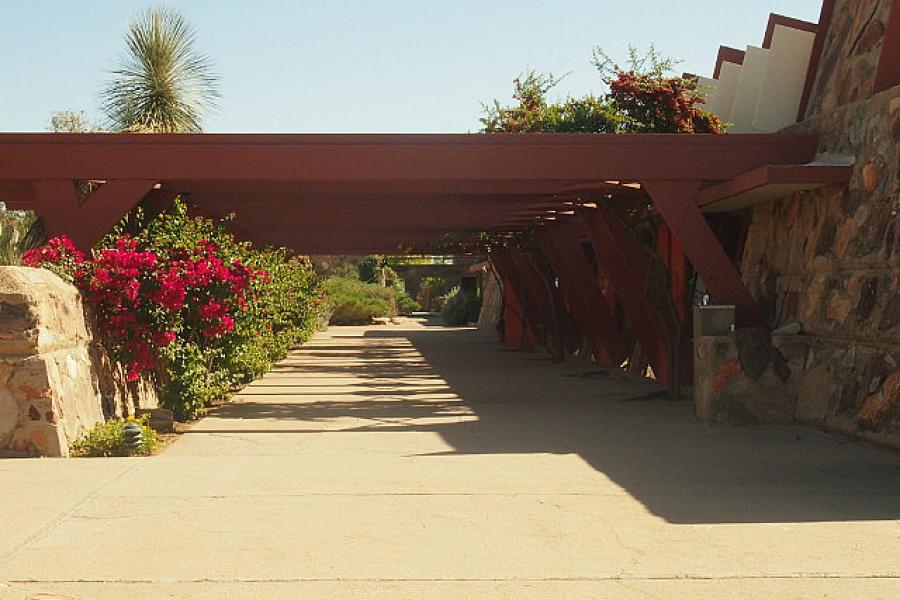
(431, 293)
(179, 297)
(460, 308)
(108, 439)
(355, 302)
(405, 304)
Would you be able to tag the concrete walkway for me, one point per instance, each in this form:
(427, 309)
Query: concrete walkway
(423, 462)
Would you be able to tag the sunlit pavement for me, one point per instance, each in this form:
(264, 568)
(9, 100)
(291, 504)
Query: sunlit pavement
(416, 461)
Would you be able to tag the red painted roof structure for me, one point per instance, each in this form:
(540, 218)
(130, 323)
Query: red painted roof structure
(362, 193)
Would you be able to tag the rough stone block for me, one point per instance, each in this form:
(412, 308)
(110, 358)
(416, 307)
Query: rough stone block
(39, 312)
(56, 381)
(729, 390)
(56, 400)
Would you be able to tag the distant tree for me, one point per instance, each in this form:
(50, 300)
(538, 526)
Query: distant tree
(67, 121)
(164, 85)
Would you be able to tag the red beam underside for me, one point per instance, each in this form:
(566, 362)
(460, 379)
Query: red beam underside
(626, 264)
(581, 289)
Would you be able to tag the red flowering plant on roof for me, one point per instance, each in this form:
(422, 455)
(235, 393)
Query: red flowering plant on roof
(657, 104)
(146, 300)
(641, 98)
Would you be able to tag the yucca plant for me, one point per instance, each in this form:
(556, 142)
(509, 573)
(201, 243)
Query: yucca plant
(164, 85)
(20, 231)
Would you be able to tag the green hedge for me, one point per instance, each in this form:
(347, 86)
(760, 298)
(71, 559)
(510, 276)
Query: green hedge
(460, 308)
(354, 302)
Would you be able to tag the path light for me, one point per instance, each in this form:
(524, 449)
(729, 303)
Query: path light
(133, 437)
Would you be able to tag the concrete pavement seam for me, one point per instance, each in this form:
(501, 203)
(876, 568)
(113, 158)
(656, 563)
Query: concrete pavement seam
(66, 513)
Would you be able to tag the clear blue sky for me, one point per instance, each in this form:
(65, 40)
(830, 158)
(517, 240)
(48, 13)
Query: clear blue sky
(360, 66)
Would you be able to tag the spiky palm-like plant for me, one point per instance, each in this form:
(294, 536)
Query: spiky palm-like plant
(163, 84)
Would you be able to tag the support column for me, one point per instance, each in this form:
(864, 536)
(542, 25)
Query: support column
(676, 203)
(581, 288)
(627, 265)
(517, 317)
(673, 258)
(86, 223)
(549, 311)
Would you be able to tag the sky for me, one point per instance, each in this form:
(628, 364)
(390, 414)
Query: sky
(310, 66)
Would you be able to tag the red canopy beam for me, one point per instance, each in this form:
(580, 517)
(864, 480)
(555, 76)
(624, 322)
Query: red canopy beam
(381, 158)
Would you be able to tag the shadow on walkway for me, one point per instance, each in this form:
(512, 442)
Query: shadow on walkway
(484, 400)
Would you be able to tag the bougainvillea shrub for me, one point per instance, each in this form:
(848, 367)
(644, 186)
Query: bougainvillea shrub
(640, 99)
(181, 299)
(657, 104)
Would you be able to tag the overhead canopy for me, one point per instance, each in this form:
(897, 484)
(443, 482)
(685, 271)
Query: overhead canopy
(362, 193)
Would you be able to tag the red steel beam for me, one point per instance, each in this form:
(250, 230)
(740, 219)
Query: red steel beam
(264, 178)
(673, 258)
(537, 293)
(522, 310)
(888, 73)
(86, 223)
(676, 202)
(627, 266)
(516, 332)
(381, 158)
(581, 288)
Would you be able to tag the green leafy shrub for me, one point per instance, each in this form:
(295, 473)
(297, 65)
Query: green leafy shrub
(19, 232)
(431, 293)
(179, 297)
(641, 99)
(405, 304)
(282, 310)
(460, 308)
(355, 302)
(108, 439)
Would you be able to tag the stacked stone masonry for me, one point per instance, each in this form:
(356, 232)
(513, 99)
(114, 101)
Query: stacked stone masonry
(55, 380)
(829, 259)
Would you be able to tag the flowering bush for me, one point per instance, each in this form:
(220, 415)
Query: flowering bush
(180, 298)
(641, 99)
(534, 113)
(657, 104)
(146, 300)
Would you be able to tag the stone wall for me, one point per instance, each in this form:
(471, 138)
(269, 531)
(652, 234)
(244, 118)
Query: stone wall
(846, 71)
(55, 380)
(829, 259)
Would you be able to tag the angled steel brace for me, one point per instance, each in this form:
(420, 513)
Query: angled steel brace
(548, 311)
(88, 222)
(626, 264)
(673, 258)
(518, 314)
(581, 288)
(676, 202)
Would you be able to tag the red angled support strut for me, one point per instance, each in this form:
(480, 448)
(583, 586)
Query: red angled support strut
(627, 265)
(676, 202)
(581, 288)
(86, 223)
